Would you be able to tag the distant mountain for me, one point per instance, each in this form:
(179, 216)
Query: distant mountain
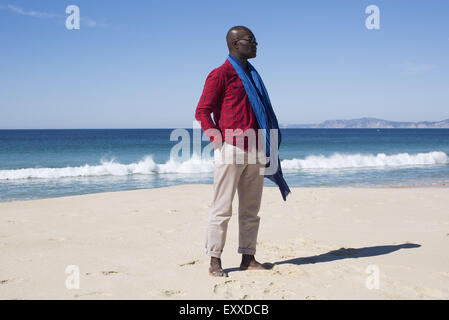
(372, 123)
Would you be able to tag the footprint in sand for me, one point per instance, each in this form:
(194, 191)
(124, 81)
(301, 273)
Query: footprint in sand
(8, 281)
(228, 288)
(313, 298)
(109, 273)
(288, 270)
(104, 273)
(430, 293)
(189, 263)
(58, 239)
(415, 292)
(269, 289)
(284, 294)
(170, 293)
(287, 257)
(234, 289)
(94, 293)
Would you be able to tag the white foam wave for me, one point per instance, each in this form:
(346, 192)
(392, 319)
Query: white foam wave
(381, 160)
(196, 165)
(111, 168)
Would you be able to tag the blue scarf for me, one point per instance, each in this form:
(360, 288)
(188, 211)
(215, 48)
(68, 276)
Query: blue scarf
(261, 105)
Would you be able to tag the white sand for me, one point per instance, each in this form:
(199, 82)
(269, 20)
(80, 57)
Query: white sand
(148, 244)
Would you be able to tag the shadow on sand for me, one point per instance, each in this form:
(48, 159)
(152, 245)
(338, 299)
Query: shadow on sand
(343, 253)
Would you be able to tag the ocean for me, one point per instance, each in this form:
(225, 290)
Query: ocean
(37, 164)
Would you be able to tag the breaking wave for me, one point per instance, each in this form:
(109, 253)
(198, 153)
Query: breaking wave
(196, 165)
(111, 168)
(381, 160)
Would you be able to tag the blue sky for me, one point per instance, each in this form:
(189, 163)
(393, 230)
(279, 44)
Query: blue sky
(142, 64)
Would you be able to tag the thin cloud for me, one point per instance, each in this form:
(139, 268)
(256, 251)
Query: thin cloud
(45, 15)
(92, 23)
(32, 13)
(410, 68)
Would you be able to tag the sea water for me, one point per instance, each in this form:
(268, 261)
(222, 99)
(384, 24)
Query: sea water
(37, 164)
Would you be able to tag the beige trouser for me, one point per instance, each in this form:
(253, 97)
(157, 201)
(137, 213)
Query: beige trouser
(247, 179)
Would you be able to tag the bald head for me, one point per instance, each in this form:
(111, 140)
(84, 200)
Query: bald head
(239, 44)
(235, 33)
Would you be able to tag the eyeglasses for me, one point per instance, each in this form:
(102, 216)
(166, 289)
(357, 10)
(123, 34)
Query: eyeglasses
(251, 39)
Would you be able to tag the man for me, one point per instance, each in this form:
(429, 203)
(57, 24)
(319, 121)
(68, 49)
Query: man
(226, 96)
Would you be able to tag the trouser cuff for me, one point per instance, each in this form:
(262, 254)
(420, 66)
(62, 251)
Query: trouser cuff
(215, 254)
(248, 251)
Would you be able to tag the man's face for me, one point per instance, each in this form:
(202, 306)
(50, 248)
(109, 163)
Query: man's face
(246, 44)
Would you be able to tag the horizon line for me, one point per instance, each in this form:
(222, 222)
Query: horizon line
(200, 128)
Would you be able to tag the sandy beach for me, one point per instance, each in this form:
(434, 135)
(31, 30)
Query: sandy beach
(326, 243)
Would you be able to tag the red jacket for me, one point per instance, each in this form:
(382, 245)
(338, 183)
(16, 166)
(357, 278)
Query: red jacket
(225, 97)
